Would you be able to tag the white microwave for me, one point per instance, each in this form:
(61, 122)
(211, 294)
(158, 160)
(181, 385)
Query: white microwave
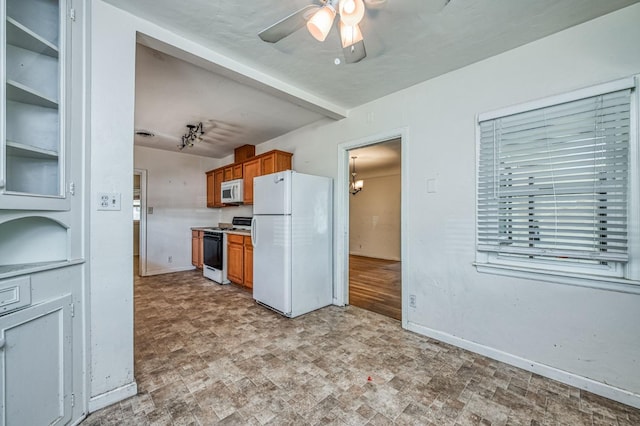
(232, 191)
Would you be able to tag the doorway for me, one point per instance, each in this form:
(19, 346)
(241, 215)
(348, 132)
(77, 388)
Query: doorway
(372, 248)
(139, 222)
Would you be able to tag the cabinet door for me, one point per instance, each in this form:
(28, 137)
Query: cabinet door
(268, 164)
(218, 176)
(250, 169)
(228, 173)
(200, 249)
(234, 262)
(34, 133)
(195, 248)
(35, 364)
(248, 263)
(210, 190)
(237, 171)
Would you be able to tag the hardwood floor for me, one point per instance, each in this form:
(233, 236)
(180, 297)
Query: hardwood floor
(375, 285)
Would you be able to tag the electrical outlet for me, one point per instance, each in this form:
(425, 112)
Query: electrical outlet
(412, 300)
(108, 201)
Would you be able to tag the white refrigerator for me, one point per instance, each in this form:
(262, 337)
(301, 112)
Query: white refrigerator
(292, 236)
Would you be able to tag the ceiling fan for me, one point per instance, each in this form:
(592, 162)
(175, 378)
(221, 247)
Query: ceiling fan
(319, 19)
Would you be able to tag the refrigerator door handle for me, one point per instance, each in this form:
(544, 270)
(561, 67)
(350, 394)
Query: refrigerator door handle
(253, 231)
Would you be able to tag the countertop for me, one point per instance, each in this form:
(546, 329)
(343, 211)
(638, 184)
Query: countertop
(239, 232)
(234, 231)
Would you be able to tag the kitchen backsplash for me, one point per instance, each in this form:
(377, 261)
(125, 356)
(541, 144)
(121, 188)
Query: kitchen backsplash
(228, 213)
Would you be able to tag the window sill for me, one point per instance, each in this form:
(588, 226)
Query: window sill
(620, 285)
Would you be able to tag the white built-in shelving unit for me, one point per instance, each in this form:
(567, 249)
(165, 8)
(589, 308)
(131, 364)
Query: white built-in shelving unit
(33, 136)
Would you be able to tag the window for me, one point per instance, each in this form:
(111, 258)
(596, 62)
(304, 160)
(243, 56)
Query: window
(555, 185)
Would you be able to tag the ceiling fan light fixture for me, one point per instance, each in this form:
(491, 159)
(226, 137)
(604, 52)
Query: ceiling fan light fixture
(321, 22)
(351, 12)
(350, 35)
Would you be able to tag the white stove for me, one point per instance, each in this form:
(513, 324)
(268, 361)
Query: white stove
(215, 249)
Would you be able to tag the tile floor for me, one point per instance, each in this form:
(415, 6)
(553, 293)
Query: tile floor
(207, 354)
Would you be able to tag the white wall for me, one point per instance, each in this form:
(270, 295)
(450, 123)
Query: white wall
(374, 218)
(111, 152)
(177, 192)
(590, 335)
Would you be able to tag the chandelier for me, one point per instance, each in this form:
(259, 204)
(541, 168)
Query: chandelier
(194, 133)
(355, 186)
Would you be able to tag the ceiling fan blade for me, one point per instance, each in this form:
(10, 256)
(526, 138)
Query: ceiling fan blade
(288, 25)
(354, 53)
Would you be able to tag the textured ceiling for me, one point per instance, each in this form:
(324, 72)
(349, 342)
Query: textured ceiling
(171, 93)
(407, 41)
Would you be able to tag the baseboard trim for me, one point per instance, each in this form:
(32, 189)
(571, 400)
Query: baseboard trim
(111, 397)
(168, 270)
(393, 259)
(598, 388)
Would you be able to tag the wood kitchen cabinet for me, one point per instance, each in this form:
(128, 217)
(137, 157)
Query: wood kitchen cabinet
(275, 161)
(267, 163)
(240, 260)
(232, 172)
(227, 173)
(250, 169)
(197, 252)
(263, 164)
(210, 189)
(248, 263)
(237, 171)
(235, 258)
(214, 193)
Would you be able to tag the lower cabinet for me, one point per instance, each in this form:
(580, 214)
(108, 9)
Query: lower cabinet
(248, 263)
(35, 364)
(240, 260)
(197, 255)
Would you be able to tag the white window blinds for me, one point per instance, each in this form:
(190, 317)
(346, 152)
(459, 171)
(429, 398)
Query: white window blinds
(553, 182)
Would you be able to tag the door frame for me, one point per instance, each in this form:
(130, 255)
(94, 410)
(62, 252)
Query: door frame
(142, 267)
(341, 230)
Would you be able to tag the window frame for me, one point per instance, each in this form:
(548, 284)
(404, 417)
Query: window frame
(616, 276)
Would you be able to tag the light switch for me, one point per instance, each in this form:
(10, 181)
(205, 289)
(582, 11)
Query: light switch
(432, 185)
(108, 201)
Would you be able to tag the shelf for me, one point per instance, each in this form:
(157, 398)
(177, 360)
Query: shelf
(21, 36)
(22, 150)
(20, 93)
(8, 271)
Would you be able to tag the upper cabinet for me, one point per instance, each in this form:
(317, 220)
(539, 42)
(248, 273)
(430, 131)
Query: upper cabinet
(34, 120)
(247, 169)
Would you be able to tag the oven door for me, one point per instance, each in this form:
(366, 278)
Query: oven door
(212, 249)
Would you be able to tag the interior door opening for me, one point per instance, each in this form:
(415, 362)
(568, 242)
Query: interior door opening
(139, 222)
(374, 228)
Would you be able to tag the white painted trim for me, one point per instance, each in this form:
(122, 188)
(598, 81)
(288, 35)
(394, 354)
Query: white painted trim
(341, 230)
(612, 86)
(169, 270)
(158, 38)
(111, 397)
(598, 388)
(578, 280)
(142, 255)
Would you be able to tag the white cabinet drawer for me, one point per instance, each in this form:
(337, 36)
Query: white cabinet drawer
(14, 294)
